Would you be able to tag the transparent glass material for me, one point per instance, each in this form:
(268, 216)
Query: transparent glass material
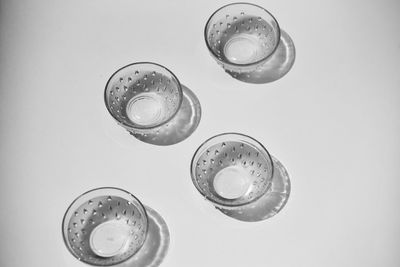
(143, 97)
(105, 226)
(231, 170)
(241, 37)
(239, 177)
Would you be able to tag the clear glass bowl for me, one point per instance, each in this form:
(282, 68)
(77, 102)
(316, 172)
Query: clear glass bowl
(232, 170)
(105, 226)
(143, 97)
(241, 37)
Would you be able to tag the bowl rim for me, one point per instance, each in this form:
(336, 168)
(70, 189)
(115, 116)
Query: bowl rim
(155, 125)
(238, 64)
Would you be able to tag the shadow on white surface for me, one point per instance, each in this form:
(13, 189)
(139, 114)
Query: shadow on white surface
(155, 248)
(276, 67)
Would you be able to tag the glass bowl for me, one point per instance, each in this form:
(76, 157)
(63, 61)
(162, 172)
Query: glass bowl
(232, 170)
(241, 37)
(143, 97)
(105, 226)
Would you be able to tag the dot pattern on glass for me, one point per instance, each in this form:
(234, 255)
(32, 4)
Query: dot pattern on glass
(106, 230)
(143, 95)
(232, 173)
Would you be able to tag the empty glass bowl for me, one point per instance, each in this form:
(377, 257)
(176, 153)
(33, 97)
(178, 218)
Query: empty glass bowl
(143, 97)
(237, 174)
(231, 170)
(241, 36)
(105, 226)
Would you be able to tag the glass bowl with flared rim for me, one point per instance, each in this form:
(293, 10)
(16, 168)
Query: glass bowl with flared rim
(143, 96)
(231, 170)
(104, 226)
(242, 36)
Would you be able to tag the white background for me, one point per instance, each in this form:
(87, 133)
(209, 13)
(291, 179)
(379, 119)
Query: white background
(333, 121)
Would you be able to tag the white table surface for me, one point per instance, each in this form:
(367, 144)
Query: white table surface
(333, 121)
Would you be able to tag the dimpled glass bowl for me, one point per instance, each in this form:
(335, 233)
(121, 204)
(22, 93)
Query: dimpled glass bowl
(232, 170)
(241, 37)
(105, 226)
(143, 97)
